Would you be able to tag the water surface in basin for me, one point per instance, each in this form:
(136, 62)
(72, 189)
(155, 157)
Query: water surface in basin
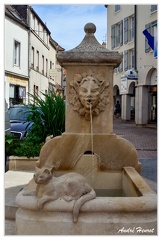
(110, 193)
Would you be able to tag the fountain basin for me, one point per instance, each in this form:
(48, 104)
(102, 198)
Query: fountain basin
(134, 212)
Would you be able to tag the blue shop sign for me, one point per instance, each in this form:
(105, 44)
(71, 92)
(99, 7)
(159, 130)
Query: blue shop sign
(131, 74)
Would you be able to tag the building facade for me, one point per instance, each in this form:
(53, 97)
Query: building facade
(135, 80)
(35, 50)
(38, 53)
(16, 57)
(55, 71)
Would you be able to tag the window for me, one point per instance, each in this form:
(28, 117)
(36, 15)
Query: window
(37, 63)
(129, 29)
(16, 53)
(42, 64)
(132, 58)
(22, 92)
(117, 32)
(38, 28)
(17, 94)
(153, 8)
(117, 8)
(34, 22)
(132, 29)
(117, 35)
(120, 68)
(47, 38)
(129, 59)
(50, 64)
(32, 58)
(43, 34)
(46, 66)
(35, 92)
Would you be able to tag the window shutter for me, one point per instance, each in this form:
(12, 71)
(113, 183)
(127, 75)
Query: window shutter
(121, 32)
(112, 36)
(125, 30)
(126, 60)
(133, 59)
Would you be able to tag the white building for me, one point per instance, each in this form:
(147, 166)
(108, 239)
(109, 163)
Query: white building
(55, 71)
(39, 53)
(16, 57)
(30, 45)
(135, 80)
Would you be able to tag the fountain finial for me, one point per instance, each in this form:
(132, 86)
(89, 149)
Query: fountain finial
(90, 28)
(89, 51)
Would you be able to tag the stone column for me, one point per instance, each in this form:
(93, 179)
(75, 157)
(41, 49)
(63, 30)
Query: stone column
(141, 101)
(126, 105)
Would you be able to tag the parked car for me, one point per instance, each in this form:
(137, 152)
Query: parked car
(18, 120)
(7, 130)
(7, 120)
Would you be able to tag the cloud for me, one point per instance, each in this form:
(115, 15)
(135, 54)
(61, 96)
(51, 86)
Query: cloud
(66, 22)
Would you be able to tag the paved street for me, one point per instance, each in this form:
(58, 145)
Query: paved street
(145, 141)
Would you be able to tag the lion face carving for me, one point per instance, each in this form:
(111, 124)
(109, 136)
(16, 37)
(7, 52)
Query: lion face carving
(89, 91)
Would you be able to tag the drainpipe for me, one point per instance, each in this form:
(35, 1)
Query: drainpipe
(135, 37)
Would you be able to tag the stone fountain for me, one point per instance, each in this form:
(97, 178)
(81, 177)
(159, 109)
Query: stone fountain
(124, 203)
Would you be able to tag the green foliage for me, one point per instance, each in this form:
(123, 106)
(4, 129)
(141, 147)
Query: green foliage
(27, 147)
(10, 144)
(47, 115)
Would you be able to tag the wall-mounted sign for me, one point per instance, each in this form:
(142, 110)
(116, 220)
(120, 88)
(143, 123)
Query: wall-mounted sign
(124, 85)
(131, 74)
(53, 72)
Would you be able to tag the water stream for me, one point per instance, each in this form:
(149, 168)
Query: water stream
(92, 147)
(91, 130)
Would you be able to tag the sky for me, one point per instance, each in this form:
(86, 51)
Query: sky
(66, 21)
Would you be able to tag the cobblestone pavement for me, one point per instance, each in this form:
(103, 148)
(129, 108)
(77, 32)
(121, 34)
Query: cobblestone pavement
(145, 141)
(143, 138)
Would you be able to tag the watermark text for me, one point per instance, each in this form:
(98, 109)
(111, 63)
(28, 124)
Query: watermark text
(138, 230)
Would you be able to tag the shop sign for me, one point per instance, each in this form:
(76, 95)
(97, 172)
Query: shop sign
(53, 72)
(131, 74)
(124, 85)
